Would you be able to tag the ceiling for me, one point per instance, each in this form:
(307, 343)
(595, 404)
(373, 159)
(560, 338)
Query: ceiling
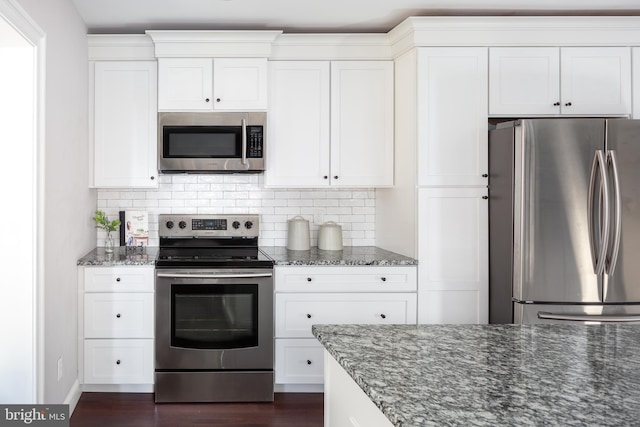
(295, 16)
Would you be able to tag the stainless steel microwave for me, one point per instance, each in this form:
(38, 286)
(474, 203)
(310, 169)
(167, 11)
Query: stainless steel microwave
(229, 142)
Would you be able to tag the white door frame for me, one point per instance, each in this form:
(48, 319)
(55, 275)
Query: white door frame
(16, 16)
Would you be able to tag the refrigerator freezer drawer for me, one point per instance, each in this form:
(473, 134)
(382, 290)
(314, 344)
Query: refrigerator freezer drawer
(576, 314)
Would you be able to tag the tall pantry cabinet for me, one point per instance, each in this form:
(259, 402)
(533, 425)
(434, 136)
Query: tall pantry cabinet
(441, 143)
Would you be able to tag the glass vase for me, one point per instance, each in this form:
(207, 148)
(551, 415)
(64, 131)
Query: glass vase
(108, 244)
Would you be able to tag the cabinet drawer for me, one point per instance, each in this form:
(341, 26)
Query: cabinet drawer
(299, 361)
(119, 279)
(297, 312)
(118, 315)
(118, 361)
(345, 279)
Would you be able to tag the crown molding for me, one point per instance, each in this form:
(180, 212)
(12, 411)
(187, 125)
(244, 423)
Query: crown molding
(114, 47)
(209, 44)
(332, 47)
(515, 31)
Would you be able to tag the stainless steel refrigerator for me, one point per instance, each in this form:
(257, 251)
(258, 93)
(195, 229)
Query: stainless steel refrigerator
(564, 221)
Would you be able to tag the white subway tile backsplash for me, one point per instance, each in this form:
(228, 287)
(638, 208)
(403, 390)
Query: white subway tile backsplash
(354, 209)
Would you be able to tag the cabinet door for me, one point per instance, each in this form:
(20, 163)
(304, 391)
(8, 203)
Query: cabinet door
(299, 361)
(296, 313)
(596, 80)
(185, 84)
(345, 279)
(362, 106)
(636, 82)
(453, 250)
(118, 361)
(118, 315)
(119, 279)
(298, 129)
(452, 116)
(125, 124)
(240, 84)
(524, 80)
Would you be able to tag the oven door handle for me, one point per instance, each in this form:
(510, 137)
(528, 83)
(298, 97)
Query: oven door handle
(213, 276)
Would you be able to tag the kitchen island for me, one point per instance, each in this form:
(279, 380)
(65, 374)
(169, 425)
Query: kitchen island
(488, 375)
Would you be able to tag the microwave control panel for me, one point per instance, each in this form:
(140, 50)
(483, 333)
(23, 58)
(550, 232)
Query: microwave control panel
(254, 141)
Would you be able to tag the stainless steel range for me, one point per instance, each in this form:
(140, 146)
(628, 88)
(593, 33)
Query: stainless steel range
(214, 311)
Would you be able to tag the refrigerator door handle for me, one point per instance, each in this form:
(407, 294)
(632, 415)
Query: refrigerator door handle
(600, 222)
(617, 318)
(612, 160)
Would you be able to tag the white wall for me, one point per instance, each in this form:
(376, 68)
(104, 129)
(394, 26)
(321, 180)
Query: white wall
(68, 229)
(354, 209)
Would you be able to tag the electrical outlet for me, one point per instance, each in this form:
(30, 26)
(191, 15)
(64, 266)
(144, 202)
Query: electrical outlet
(318, 216)
(59, 369)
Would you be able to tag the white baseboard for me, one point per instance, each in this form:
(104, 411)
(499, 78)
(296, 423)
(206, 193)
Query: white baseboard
(73, 397)
(118, 388)
(299, 388)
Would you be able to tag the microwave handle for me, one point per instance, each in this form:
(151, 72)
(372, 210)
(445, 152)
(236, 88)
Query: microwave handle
(244, 142)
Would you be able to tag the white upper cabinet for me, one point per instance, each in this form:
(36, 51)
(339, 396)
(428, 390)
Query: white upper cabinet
(595, 80)
(124, 123)
(636, 83)
(330, 124)
(362, 123)
(565, 81)
(204, 84)
(298, 130)
(524, 80)
(452, 116)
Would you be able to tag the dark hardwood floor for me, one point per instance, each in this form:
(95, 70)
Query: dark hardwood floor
(139, 410)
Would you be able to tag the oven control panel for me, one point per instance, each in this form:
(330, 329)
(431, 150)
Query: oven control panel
(208, 225)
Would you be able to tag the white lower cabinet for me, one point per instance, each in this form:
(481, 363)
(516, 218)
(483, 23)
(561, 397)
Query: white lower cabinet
(299, 361)
(453, 247)
(118, 361)
(345, 404)
(116, 324)
(307, 296)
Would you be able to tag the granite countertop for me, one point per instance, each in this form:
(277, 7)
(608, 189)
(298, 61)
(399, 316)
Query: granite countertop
(488, 375)
(121, 255)
(349, 256)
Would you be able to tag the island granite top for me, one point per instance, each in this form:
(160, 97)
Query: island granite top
(122, 255)
(489, 375)
(350, 255)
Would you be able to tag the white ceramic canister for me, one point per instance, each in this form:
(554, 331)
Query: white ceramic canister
(330, 237)
(298, 234)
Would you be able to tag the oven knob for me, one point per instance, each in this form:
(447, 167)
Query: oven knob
(169, 225)
(236, 224)
(248, 225)
(182, 224)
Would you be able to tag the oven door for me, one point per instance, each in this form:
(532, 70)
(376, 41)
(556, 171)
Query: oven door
(214, 319)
